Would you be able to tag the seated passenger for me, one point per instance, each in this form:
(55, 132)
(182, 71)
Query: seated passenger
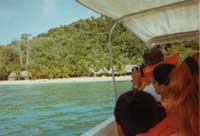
(160, 81)
(142, 86)
(183, 96)
(141, 77)
(160, 77)
(136, 112)
(151, 57)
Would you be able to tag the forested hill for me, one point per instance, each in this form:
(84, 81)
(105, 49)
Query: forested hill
(76, 49)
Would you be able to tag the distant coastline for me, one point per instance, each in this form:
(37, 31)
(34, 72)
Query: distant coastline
(67, 80)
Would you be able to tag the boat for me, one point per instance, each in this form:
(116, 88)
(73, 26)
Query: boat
(154, 22)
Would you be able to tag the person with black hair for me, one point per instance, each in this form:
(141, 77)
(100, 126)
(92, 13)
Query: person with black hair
(136, 112)
(160, 78)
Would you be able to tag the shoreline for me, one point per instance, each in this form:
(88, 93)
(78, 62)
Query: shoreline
(67, 80)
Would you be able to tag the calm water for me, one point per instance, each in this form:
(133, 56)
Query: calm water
(61, 109)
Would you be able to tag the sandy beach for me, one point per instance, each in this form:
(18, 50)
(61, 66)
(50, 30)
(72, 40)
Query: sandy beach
(66, 80)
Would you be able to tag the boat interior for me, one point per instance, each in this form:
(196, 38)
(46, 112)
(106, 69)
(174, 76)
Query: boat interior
(154, 22)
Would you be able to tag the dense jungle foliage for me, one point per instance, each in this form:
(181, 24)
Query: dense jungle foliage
(77, 49)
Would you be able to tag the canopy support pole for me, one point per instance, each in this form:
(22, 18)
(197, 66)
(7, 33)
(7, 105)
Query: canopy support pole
(111, 59)
(146, 45)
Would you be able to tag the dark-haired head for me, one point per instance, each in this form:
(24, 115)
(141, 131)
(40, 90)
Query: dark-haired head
(153, 56)
(161, 73)
(136, 111)
(161, 77)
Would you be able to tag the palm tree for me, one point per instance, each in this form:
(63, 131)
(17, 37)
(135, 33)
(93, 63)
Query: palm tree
(25, 37)
(20, 53)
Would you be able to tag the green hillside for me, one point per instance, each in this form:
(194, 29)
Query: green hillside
(73, 50)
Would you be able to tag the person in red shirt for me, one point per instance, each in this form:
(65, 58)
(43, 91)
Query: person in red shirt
(183, 96)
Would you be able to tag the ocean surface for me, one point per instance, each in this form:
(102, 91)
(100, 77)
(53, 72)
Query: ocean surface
(56, 109)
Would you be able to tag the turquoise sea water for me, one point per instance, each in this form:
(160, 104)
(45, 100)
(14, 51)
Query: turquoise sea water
(58, 109)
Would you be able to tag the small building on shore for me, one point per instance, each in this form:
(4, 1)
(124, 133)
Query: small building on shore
(25, 75)
(13, 76)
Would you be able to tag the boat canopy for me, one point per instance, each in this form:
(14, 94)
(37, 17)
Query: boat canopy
(157, 21)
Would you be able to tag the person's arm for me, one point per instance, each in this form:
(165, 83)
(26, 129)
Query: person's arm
(142, 86)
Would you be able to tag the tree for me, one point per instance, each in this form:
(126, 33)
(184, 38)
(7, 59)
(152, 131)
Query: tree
(25, 38)
(72, 50)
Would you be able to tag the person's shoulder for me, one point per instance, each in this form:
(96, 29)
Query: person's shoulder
(149, 86)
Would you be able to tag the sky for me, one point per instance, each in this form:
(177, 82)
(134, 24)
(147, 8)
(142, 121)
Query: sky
(37, 16)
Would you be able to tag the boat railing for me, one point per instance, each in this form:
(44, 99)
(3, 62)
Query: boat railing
(106, 128)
